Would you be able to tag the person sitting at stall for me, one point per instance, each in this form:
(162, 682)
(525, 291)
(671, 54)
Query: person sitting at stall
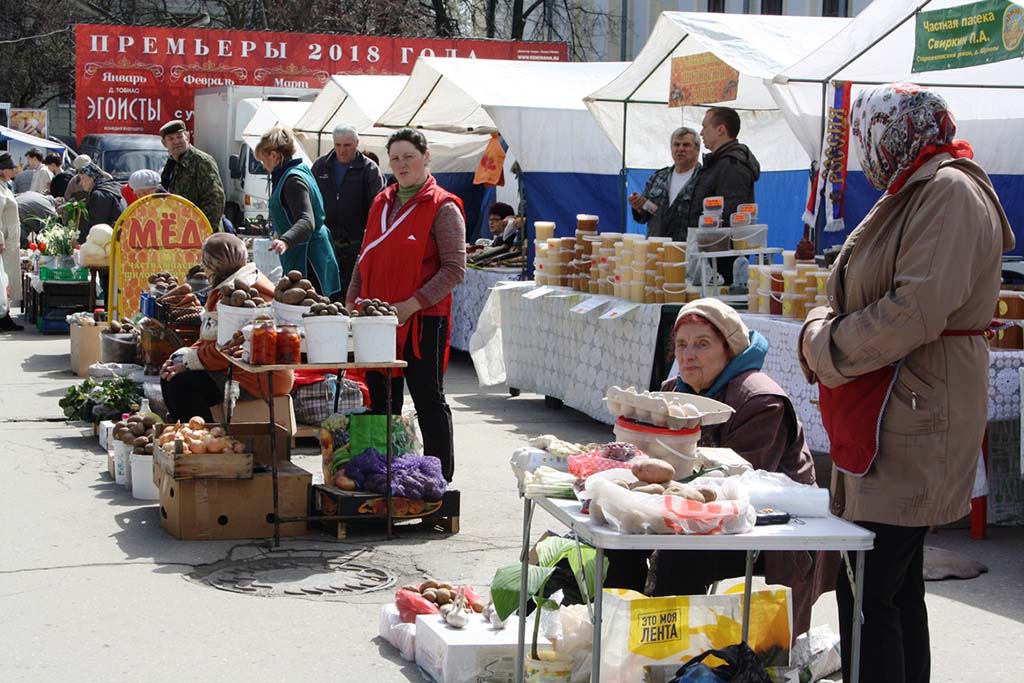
(720, 358)
(504, 232)
(297, 212)
(103, 203)
(193, 378)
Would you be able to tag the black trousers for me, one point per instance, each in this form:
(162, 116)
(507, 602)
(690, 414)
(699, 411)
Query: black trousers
(347, 253)
(678, 572)
(894, 643)
(425, 377)
(190, 394)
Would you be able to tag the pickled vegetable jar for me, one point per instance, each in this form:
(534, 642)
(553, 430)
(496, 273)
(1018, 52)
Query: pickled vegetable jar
(289, 345)
(264, 344)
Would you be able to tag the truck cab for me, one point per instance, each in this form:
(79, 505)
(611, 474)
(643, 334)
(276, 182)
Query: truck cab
(250, 188)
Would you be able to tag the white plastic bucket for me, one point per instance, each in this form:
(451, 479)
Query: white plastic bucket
(327, 338)
(286, 314)
(677, 447)
(231, 319)
(143, 487)
(122, 472)
(374, 338)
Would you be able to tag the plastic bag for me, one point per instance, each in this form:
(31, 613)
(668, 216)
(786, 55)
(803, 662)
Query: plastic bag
(4, 301)
(401, 635)
(630, 512)
(577, 640)
(411, 604)
(266, 261)
(485, 344)
(591, 463)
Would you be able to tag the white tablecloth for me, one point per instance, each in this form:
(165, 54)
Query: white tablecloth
(575, 357)
(782, 365)
(468, 300)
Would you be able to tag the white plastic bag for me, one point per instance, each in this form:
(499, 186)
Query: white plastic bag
(4, 301)
(485, 344)
(631, 512)
(577, 640)
(266, 261)
(401, 635)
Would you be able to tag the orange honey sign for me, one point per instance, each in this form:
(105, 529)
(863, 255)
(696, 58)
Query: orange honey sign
(701, 79)
(157, 233)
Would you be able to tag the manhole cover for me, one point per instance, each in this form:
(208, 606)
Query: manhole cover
(305, 574)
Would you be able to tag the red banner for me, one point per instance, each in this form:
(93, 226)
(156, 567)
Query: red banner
(132, 79)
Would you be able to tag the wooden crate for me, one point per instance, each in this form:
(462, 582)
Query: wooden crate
(227, 465)
(359, 506)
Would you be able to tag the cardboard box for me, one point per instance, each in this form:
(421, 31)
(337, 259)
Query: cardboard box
(475, 653)
(85, 348)
(256, 410)
(105, 432)
(220, 509)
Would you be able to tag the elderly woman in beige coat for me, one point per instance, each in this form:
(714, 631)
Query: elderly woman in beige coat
(910, 297)
(10, 241)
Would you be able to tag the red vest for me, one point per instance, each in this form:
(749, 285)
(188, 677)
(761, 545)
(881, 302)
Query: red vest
(399, 256)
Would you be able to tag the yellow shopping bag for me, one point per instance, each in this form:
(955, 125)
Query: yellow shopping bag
(660, 634)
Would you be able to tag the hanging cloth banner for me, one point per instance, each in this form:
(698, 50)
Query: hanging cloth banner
(835, 150)
(491, 169)
(968, 35)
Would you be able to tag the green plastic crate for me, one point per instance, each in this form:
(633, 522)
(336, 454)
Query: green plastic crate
(63, 274)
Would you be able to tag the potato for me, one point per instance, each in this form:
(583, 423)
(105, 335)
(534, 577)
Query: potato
(710, 495)
(238, 297)
(430, 594)
(140, 441)
(137, 428)
(293, 296)
(148, 420)
(684, 491)
(654, 471)
(305, 284)
(284, 284)
(241, 285)
(294, 275)
(632, 522)
(254, 293)
(429, 583)
(478, 607)
(654, 489)
(444, 596)
(148, 448)
(308, 302)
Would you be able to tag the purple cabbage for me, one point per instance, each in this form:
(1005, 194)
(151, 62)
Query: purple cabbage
(413, 476)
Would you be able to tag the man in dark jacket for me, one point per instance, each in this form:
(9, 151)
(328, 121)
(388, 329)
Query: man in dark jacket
(348, 182)
(665, 203)
(730, 168)
(104, 202)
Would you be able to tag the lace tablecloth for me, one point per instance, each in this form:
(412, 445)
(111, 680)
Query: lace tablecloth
(575, 357)
(782, 365)
(468, 300)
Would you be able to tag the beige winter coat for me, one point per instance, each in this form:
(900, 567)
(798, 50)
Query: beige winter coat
(924, 260)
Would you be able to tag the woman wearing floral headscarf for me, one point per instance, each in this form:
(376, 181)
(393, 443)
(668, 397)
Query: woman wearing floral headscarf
(103, 203)
(902, 362)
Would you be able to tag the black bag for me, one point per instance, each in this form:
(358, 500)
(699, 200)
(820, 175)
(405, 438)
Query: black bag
(742, 665)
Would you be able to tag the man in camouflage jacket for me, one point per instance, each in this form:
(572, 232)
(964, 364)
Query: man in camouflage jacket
(192, 173)
(665, 215)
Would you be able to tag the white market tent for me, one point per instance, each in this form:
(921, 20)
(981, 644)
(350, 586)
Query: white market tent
(633, 109)
(357, 101)
(878, 47)
(273, 113)
(568, 165)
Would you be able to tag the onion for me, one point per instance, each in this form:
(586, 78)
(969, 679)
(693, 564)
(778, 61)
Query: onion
(238, 447)
(217, 431)
(197, 446)
(214, 445)
(197, 423)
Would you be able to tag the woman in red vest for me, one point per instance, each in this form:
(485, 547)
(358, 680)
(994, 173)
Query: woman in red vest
(413, 256)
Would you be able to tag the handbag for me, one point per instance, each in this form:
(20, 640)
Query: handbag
(852, 417)
(742, 665)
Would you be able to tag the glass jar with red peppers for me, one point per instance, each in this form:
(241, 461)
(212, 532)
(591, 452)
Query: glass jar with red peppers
(264, 343)
(289, 345)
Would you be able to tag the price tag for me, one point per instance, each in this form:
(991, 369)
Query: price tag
(511, 284)
(619, 310)
(538, 293)
(590, 304)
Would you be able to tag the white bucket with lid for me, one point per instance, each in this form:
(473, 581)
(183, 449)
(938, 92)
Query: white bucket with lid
(231, 319)
(374, 338)
(327, 338)
(143, 487)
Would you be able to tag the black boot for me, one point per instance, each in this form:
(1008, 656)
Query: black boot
(7, 324)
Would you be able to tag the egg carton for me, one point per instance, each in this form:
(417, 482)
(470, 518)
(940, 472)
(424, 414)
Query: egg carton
(668, 409)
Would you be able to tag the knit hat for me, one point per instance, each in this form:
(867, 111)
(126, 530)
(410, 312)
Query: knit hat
(223, 253)
(725, 319)
(92, 170)
(80, 161)
(6, 162)
(144, 179)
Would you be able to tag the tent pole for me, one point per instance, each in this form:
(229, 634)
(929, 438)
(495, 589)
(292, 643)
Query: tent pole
(432, 89)
(625, 111)
(882, 37)
(817, 231)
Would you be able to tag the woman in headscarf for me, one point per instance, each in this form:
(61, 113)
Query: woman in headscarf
(902, 362)
(193, 378)
(297, 212)
(103, 202)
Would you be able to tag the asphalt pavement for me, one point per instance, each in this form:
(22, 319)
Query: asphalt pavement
(91, 588)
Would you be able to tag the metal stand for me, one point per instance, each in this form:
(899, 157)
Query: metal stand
(386, 368)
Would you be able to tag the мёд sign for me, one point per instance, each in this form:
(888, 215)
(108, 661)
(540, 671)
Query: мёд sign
(132, 79)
